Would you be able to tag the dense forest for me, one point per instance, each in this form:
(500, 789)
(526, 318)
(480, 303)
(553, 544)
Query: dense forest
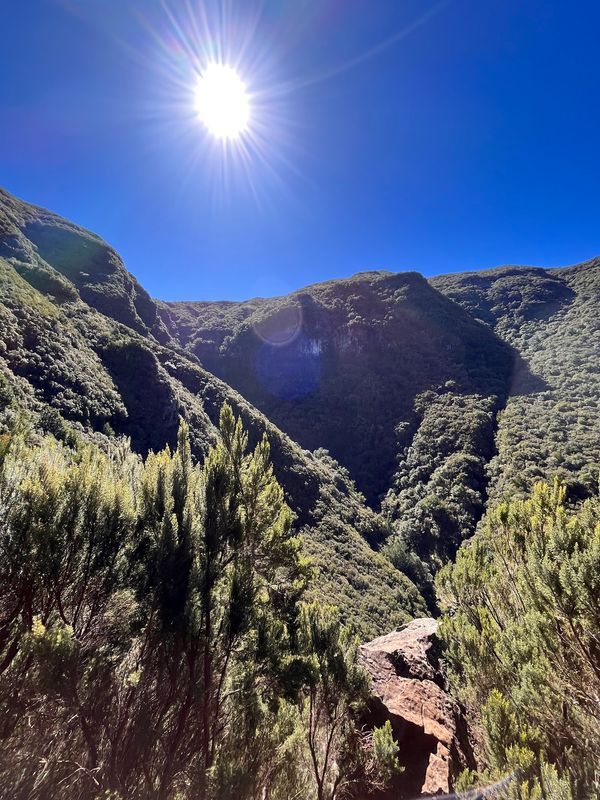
(207, 506)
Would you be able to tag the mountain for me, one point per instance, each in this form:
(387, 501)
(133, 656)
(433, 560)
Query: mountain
(434, 395)
(551, 422)
(396, 407)
(339, 365)
(399, 411)
(84, 352)
(392, 378)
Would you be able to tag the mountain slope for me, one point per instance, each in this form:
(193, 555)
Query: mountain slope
(342, 364)
(551, 423)
(431, 410)
(47, 249)
(396, 381)
(433, 397)
(83, 351)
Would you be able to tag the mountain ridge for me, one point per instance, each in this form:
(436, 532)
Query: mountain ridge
(397, 406)
(78, 371)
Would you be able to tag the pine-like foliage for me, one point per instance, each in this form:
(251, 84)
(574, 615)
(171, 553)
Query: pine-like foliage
(521, 627)
(343, 761)
(154, 642)
(138, 599)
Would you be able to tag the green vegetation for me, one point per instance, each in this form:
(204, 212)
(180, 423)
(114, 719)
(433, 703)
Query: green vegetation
(397, 383)
(342, 365)
(521, 629)
(551, 423)
(344, 760)
(440, 487)
(46, 360)
(431, 411)
(160, 633)
(428, 404)
(76, 372)
(154, 639)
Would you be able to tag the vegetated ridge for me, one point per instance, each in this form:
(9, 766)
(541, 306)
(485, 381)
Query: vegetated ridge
(399, 418)
(429, 397)
(78, 370)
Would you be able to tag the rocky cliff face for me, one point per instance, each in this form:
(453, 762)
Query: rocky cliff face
(429, 725)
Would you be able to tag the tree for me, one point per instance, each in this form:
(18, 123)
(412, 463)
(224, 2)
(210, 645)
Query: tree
(67, 521)
(344, 759)
(224, 578)
(154, 637)
(149, 612)
(521, 626)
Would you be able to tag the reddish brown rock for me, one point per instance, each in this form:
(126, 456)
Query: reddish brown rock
(429, 724)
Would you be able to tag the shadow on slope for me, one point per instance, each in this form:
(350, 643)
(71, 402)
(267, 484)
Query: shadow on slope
(340, 365)
(97, 374)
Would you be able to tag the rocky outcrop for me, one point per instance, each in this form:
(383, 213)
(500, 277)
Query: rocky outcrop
(428, 724)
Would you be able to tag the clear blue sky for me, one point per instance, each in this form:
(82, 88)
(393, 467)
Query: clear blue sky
(470, 139)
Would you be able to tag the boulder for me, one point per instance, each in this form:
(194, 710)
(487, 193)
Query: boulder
(408, 689)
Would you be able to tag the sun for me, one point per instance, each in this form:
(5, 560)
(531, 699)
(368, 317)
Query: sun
(222, 101)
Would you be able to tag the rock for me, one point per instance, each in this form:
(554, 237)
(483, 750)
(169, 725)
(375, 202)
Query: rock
(429, 725)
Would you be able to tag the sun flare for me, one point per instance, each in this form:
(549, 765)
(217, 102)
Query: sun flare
(222, 101)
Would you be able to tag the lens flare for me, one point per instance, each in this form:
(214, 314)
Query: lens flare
(222, 101)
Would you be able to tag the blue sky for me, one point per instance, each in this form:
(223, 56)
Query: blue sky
(388, 134)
